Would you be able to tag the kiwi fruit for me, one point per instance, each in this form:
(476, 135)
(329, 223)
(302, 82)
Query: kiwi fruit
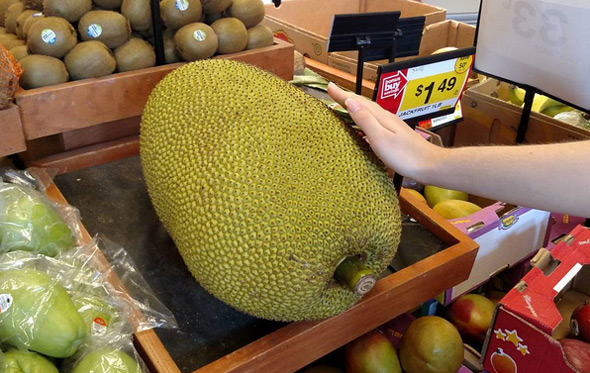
(170, 54)
(71, 10)
(260, 36)
(135, 54)
(90, 59)
(138, 12)
(10, 41)
(215, 6)
(51, 36)
(108, 4)
(107, 26)
(195, 41)
(177, 13)
(12, 14)
(232, 35)
(2, 30)
(19, 52)
(250, 12)
(20, 22)
(33, 4)
(30, 22)
(41, 71)
(4, 5)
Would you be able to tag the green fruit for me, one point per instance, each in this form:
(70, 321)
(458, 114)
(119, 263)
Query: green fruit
(260, 36)
(434, 195)
(106, 26)
(215, 6)
(516, 95)
(453, 208)
(135, 54)
(195, 41)
(228, 160)
(90, 59)
(42, 317)
(29, 222)
(177, 13)
(26, 362)
(71, 10)
(417, 195)
(51, 36)
(431, 344)
(552, 111)
(97, 314)
(107, 360)
(138, 12)
(372, 352)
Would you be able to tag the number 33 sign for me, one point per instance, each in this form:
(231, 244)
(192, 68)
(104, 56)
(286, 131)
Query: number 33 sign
(539, 43)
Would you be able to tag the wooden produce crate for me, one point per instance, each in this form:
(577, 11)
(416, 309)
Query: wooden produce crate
(99, 118)
(12, 139)
(489, 120)
(295, 345)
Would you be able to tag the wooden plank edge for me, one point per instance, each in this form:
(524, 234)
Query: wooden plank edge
(343, 79)
(90, 155)
(148, 345)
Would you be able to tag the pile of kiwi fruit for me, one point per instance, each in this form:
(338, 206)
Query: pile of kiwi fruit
(61, 40)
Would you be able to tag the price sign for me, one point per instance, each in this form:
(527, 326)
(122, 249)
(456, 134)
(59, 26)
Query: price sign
(424, 87)
(539, 43)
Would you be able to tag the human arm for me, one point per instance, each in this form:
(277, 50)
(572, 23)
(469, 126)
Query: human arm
(550, 177)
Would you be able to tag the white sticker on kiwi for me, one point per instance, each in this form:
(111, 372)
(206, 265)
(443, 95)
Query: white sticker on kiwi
(5, 302)
(181, 5)
(199, 35)
(48, 36)
(37, 14)
(94, 30)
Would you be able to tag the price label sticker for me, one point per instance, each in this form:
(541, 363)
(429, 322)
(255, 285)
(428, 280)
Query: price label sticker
(5, 302)
(430, 86)
(539, 43)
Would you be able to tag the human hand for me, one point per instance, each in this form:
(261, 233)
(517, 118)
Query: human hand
(392, 140)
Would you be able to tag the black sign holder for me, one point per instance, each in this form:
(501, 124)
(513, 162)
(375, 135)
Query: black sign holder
(529, 95)
(376, 36)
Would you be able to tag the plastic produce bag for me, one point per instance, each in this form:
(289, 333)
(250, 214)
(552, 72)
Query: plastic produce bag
(30, 221)
(38, 314)
(105, 267)
(118, 357)
(16, 361)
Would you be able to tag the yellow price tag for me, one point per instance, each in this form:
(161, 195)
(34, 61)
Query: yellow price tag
(437, 88)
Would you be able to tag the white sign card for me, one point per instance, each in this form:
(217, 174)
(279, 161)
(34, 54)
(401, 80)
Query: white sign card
(540, 43)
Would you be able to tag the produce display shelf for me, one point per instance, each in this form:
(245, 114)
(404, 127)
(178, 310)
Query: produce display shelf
(212, 336)
(13, 139)
(79, 104)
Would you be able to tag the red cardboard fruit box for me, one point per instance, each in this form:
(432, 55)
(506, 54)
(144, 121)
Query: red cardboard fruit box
(531, 318)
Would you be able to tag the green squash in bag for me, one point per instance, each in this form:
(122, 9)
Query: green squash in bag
(38, 314)
(98, 315)
(107, 360)
(29, 222)
(16, 361)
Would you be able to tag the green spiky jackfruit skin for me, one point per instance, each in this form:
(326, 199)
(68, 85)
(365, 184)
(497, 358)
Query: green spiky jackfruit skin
(264, 190)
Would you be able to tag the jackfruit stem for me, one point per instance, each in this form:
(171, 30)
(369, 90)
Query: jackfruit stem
(353, 274)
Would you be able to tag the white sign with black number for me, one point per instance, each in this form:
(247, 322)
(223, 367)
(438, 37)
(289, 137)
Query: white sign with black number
(540, 43)
(5, 302)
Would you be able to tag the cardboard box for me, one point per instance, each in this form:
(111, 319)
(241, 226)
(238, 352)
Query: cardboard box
(559, 226)
(489, 120)
(506, 235)
(307, 23)
(531, 318)
(447, 33)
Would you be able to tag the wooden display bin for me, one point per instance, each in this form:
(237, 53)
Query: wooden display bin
(297, 344)
(13, 139)
(489, 120)
(107, 110)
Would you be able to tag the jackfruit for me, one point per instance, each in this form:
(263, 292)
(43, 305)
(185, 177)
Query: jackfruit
(264, 189)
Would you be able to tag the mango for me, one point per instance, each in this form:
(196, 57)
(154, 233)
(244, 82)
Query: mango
(435, 195)
(454, 208)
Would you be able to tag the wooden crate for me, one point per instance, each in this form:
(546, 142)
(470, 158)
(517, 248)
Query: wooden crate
(489, 120)
(79, 104)
(12, 139)
(298, 344)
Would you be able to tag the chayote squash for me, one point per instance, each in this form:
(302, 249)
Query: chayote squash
(107, 360)
(16, 361)
(41, 316)
(28, 221)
